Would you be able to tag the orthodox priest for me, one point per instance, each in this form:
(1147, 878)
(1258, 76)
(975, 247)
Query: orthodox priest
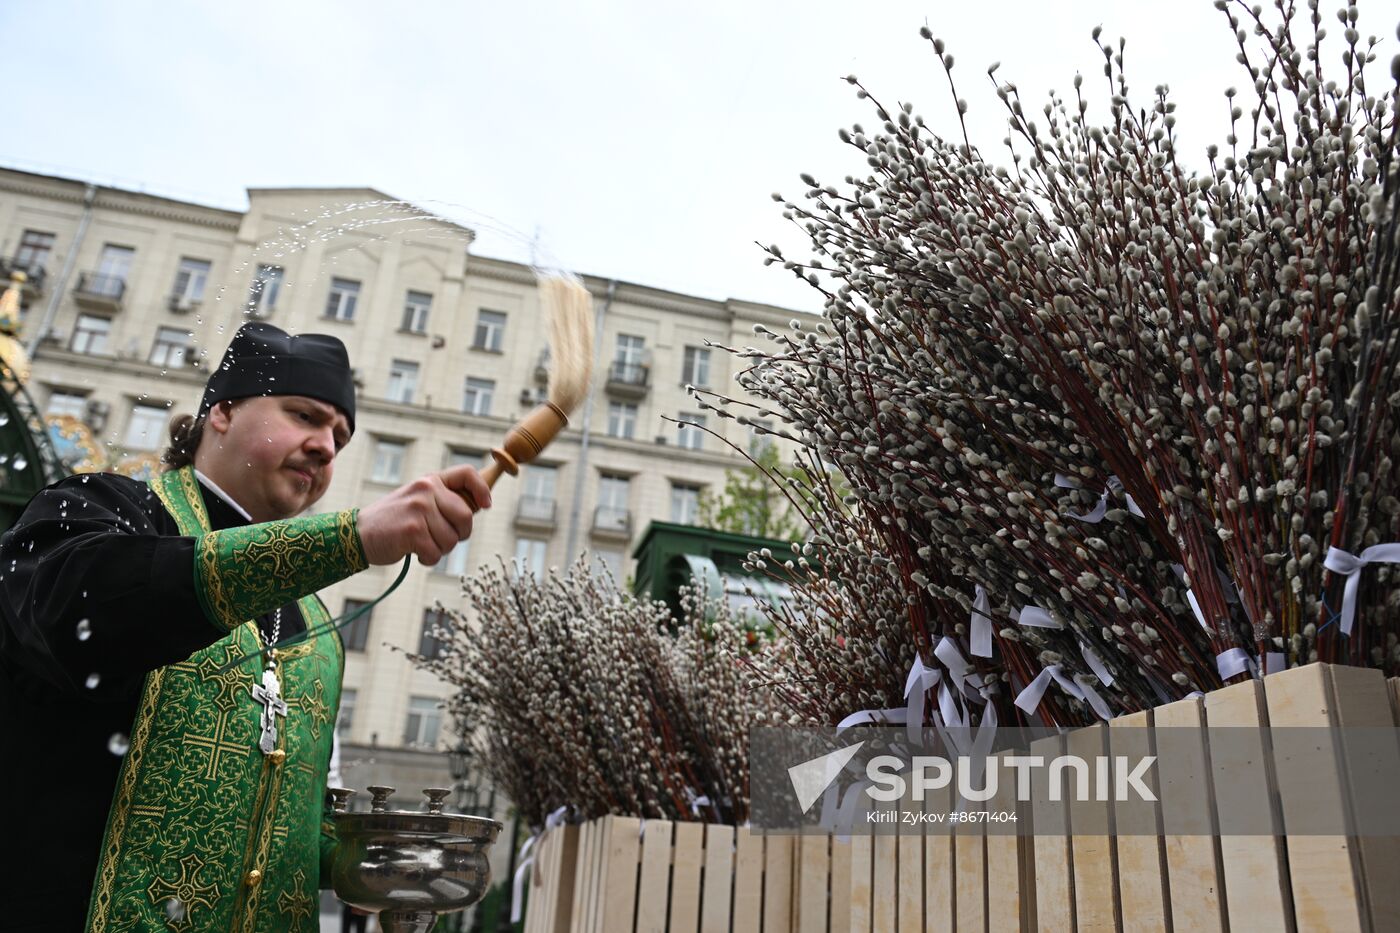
(149, 785)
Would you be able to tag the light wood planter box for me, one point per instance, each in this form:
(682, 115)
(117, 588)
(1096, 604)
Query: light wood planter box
(618, 875)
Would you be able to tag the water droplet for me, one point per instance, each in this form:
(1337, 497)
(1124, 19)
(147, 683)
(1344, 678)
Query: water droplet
(92, 681)
(118, 743)
(21, 463)
(175, 910)
(84, 630)
(4, 419)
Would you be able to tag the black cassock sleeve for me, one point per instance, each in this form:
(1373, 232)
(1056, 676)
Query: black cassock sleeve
(95, 580)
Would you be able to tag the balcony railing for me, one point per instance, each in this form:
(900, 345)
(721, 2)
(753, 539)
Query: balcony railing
(35, 274)
(97, 289)
(536, 512)
(612, 522)
(628, 380)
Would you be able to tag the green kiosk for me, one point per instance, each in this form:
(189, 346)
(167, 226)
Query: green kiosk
(670, 556)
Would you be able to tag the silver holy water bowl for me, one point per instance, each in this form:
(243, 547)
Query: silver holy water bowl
(409, 866)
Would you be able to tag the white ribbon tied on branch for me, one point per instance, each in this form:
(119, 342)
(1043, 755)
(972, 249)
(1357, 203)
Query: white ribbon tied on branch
(1096, 515)
(1350, 566)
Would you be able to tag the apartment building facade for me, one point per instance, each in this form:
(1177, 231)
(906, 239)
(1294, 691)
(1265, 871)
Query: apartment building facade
(132, 297)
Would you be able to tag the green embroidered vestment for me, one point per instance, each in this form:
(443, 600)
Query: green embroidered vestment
(206, 833)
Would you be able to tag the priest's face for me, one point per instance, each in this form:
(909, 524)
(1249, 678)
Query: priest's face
(273, 454)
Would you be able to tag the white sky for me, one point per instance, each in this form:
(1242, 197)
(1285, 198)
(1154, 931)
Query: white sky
(643, 139)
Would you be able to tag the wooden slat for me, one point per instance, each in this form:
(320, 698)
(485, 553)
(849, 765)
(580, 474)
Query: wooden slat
(620, 862)
(940, 875)
(1142, 860)
(1004, 901)
(884, 884)
(1193, 855)
(1091, 835)
(1054, 892)
(1257, 891)
(585, 876)
(813, 883)
(687, 855)
(568, 877)
(840, 885)
(718, 881)
(1369, 748)
(909, 853)
(777, 884)
(862, 863)
(969, 859)
(1323, 870)
(654, 882)
(748, 881)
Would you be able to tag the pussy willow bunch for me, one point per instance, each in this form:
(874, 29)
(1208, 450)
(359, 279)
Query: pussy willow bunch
(1132, 393)
(575, 694)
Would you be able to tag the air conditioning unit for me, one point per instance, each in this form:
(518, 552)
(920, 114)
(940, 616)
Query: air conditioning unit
(183, 304)
(55, 336)
(661, 440)
(357, 377)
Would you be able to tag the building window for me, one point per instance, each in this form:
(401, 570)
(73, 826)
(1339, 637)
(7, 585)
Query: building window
(612, 560)
(612, 502)
(695, 367)
(112, 271)
(34, 249)
(537, 499)
(63, 402)
(622, 420)
(476, 398)
(490, 330)
(685, 503)
(759, 439)
(146, 429)
(436, 623)
(540, 482)
(416, 306)
(388, 461)
(90, 334)
(629, 350)
(424, 721)
(340, 303)
(457, 457)
(689, 432)
(454, 562)
(356, 634)
(262, 294)
(190, 279)
(171, 349)
(530, 555)
(345, 721)
(403, 381)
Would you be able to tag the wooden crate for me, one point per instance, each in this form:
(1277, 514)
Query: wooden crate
(618, 875)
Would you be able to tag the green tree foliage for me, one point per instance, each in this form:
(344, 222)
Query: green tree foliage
(752, 501)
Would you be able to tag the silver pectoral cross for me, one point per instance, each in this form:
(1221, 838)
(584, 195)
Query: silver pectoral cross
(269, 694)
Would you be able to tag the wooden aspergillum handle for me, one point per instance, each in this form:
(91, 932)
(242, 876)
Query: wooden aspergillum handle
(525, 441)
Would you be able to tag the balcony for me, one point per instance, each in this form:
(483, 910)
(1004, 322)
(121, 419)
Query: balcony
(35, 276)
(628, 380)
(612, 523)
(536, 513)
(100, 292)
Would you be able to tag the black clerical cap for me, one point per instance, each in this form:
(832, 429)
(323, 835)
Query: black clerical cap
(264, 360)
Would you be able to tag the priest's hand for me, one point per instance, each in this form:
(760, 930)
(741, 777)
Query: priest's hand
(425, 518)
